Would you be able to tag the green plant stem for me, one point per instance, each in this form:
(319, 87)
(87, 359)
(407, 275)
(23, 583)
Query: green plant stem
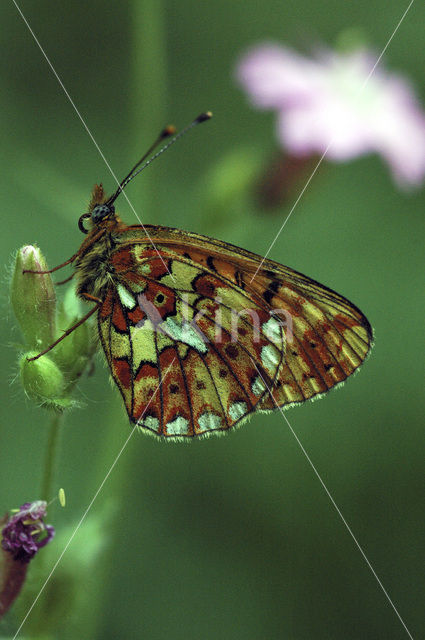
(49, 466)
(148, 84)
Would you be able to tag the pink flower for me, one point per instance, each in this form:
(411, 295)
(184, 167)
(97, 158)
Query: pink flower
(326, 101)
(21, 535)
(25, 532)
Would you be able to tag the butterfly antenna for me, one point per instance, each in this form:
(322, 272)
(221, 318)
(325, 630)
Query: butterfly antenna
(168, 131)
(165, 133)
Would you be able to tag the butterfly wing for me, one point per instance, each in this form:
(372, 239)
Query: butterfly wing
(196, 340)
(328, 338)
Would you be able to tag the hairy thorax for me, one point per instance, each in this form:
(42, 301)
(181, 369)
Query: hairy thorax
(93, 269)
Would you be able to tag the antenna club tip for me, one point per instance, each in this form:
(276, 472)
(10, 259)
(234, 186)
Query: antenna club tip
(204, 116)
(170, 130)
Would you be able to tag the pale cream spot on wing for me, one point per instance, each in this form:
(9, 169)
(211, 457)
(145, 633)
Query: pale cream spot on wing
(273, 331)
(258, 386)
(237, 410)
(149, 423)
(127, 300)
(209, 421)
(184, 332)
(270, 357)
(178, 427)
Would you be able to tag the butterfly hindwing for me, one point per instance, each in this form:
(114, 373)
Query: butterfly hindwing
(179, 341)
(198, 332)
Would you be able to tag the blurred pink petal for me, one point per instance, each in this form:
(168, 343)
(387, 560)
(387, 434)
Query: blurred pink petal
(326, 101)
(275, 76)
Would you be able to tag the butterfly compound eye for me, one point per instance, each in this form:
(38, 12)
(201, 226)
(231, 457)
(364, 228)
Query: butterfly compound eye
(101, 211)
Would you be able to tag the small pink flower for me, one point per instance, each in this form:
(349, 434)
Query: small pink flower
(326, 100)
(21, 535)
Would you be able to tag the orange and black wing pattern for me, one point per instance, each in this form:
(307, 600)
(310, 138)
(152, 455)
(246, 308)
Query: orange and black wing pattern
(197, 339)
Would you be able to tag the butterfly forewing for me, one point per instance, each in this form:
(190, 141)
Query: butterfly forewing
(197, 339)
(327, 337)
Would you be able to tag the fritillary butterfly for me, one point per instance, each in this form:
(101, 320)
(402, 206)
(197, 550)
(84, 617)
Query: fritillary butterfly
(199, 334)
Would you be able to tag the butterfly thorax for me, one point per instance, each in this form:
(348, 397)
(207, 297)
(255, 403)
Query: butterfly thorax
(93, 269)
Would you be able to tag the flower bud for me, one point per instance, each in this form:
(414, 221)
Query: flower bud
(33, 298)
(43, 381)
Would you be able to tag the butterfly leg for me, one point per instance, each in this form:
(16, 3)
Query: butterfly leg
(91, 298)
(70, 330)
(71, 259)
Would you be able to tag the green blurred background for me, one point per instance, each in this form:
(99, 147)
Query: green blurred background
(232, 537)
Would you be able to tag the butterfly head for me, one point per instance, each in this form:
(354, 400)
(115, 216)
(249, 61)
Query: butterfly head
(101, 209)
(100, 213)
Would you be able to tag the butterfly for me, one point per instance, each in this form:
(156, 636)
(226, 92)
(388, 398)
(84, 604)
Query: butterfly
(199, 334)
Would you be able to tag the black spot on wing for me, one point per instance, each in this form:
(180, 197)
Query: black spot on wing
(210, 263)
(271, 291)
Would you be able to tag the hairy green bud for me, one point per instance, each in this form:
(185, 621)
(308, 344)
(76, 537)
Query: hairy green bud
(43, 381)
(49, 379)
(33, 298)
